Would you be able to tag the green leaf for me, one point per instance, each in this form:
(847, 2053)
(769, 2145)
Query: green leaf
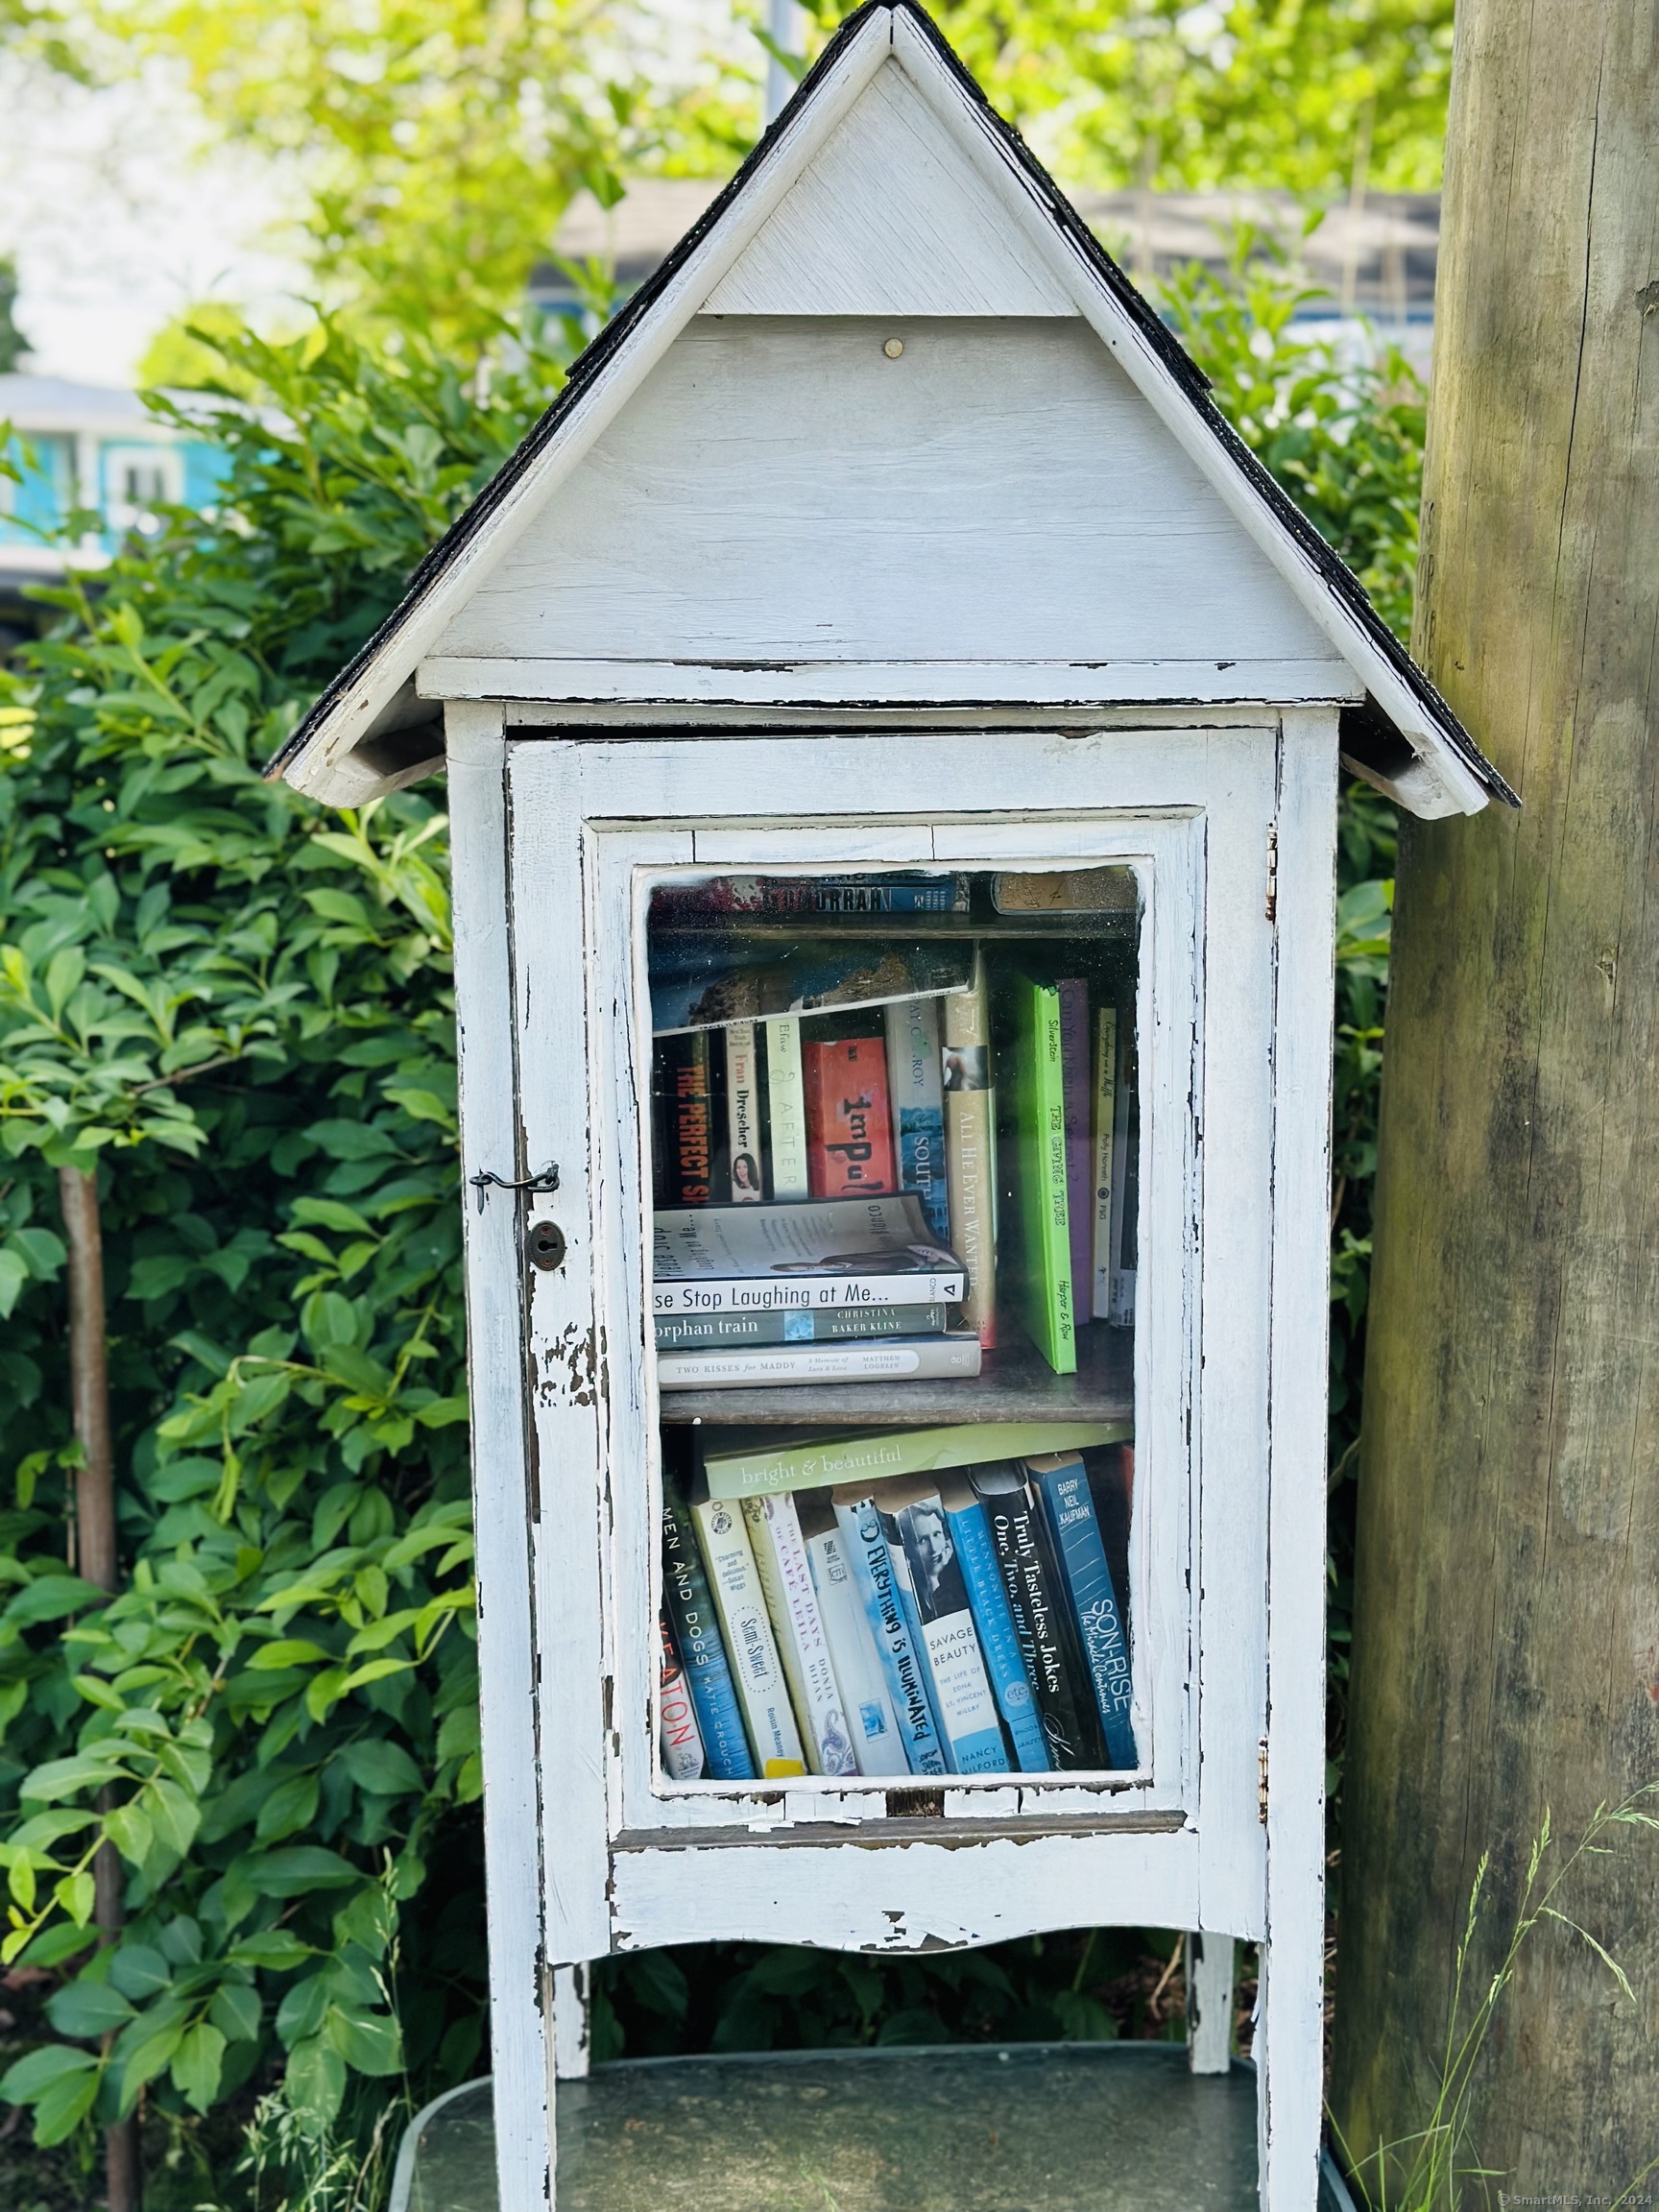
(88, 2009)
(63, 1777)
(314, 2080)
(51, 1596)
(30, 2078)
(62, 2108)
(276, 1948)
(198, 2064)
(382, 1768)
(236, 2010)
(369, 2042)
(443, 1412)
(298, 1870)
(290, 1807)
(287, 1651)
(139, 1969)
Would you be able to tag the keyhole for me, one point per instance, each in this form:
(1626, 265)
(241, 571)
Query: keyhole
(547, 1245)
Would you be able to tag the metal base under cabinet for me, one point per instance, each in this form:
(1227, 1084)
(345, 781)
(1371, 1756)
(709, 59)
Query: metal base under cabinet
(1015, 2128)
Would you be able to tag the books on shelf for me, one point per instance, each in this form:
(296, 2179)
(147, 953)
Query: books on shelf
(1105, 1089)
(794, 1325)
(786, 897)
(969, 1113)
(680, 1738)
(964, 1624)
(1062, 1482)
(702, 1649)
(702, 979)
(915, 1083)
(744, 1174)
(871, 1251)
(786, 1109)
(685, 1121)
(902, 1358)
(1039, 1148)
(767, 1462)
(791, 1600)
(750, 1647)
(848, 1126)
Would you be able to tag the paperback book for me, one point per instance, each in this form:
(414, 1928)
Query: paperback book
(684, 1116)
(786, 1582)
(705, 978)
(794, 1325)
(743, 1148)
(764, 1461)
(1062, 1482)
(971, 1149)
(678, 1734)
(1039, 1159)
(785, 1108)
(1036, 1606)
(964, 1707)
(695, 1623)
(757, 1664)
(781, 898)
(976, 1556)
(915, 1082)
(871, 1720)
(897, 1643)
(871, 1251)
(923, 1359)
(849, 1124)
(1105, 1113)
(1076, 1074)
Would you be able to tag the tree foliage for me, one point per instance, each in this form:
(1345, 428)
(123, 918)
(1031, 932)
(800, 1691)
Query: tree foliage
(237, 1009)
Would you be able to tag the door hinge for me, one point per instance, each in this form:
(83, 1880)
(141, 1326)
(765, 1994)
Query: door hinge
(1261, 1781)
(1272, 871)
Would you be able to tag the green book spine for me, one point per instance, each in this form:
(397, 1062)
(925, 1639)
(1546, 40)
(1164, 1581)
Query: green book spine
(1040, 1136)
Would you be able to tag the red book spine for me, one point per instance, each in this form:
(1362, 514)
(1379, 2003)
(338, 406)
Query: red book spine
(848, 1125)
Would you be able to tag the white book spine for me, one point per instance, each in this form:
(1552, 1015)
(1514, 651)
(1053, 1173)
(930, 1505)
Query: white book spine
(750, 1645)
(803, 1293)
(743, 1115)
(678, 1732)
(1105, 1103)
(869, 1709)
(786, 1109)
(880, 1358)
(787, 1581)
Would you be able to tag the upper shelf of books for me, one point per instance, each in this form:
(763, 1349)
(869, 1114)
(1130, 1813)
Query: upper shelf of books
(895, 1135)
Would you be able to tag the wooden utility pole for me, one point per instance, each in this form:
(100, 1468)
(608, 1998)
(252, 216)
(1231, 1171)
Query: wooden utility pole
(96, 1555)
(1507, 1602)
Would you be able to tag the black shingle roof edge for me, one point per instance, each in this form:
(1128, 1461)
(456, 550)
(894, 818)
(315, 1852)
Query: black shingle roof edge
(1339, 578)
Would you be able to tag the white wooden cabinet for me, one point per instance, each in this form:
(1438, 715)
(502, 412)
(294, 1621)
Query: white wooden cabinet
(888, 529)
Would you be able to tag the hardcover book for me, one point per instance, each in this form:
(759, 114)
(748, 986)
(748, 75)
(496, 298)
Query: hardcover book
(794, 1325)
(859, 1520)
(760, 1464)
(871, 1720)
(1076, 1075)
(779, 898)
(786, 1109)
(743, 1115)
(848, 1127)
(787, 1581)
(964, 1706)
(971, 1149)
(757, 1667)
(696, 1627)
(1038, 1146)
(677, 1733)
(898, 1359)
(915, 1083)
(705, 978)
(976, 1556)
(1037, 1605)
(872, 1251)
(1105, 1108)
(685, 1116)
(1062, 1482)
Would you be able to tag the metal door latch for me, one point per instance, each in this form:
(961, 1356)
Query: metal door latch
(547, 1245)
(546, 1181)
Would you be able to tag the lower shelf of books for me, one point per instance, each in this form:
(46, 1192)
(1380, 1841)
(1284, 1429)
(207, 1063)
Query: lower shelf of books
(899, 1602)
(1015, 1382)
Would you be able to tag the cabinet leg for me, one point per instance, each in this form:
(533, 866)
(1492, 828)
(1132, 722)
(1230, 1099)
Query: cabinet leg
(1210, 2003)
(571, 2038)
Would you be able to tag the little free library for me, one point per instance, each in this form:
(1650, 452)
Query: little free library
(893, 731)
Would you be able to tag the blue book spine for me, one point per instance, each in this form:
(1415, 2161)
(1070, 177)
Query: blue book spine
(702, 1653)
(904, 1660)
(989, 1601)
(1076, 1531)
(900, 1567)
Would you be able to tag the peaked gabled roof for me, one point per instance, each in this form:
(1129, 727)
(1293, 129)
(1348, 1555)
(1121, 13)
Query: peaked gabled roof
(368, 730)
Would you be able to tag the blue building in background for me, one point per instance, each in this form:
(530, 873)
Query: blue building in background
(89, 450)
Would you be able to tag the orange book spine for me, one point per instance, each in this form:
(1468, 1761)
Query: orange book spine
(849, 1124)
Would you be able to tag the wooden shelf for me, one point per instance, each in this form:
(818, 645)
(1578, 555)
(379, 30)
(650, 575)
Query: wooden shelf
(1017, 1384)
